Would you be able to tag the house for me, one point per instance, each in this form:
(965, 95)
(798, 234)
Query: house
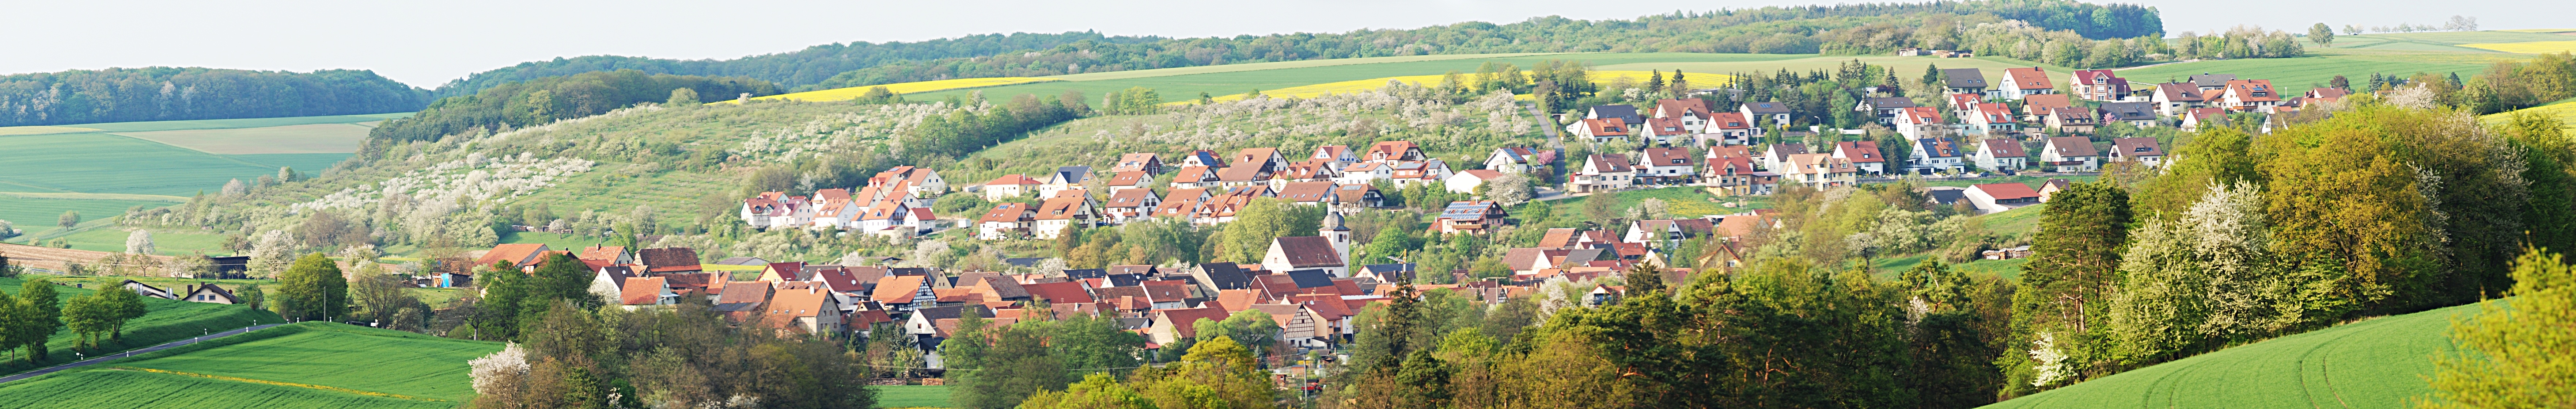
(2020, 82)
(1885, 108)
(2098, 85)
(1356, 197)
(1863, 154)
(1820, 170)
(1668, 233)
(1965, 81)
(209, 293)
(1203, 157)
(668, 260)
(1471, 216)
(1601, 173)
(1602, 130)
(1006, 221)
(2245, 95)
(1667, 166)
(1131, 204)
(1991, 119)
(1058, 214)
(1364, 173)
(902, 292)
(1730, 128)
(2138, 114)
(1319, 193)
(1997, 197)
(1133, 179)
(1244, 174)
(610, 283)
(1265, 159)
(2051, 186)
(1399, 151)
(2208, 83)
(1776, 156)
(1194, 177)
(1337, 154)
(809, 309)
(1920, 122)
(1009, 186)
(2146, 151)
(1176, 325)
(1424, 171)
(1468, 181)
(1068, 177)
(914, 180)
(2174, 98)
(2318, 96)
(642, 291)
(1664, 131)
(2070, 120)
(2069, 154)
(1964, 105)
(1937, 155)
(1624, 113)
(1146, 162)
(1731, 167)
(1307, 253)
(520, 256)
(2001, 154)
(1776, 114)
(2194, 118)
(1692, 112)
(2036, 107)
(1518, 159)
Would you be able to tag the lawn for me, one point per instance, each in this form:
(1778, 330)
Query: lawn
(104, 163)
(311, 138)
(168, 320)
(2297, 75)
(912, 396)
(121, 389)
(2376, 363)
(167, 243)
(36, 216)
(336, 356)
(1175, 84)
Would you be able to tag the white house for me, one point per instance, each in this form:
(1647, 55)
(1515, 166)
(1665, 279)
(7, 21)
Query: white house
(2070, 154)
(1517, 159)
(1937, 155)
(1997, 197)
(1468, 181)
(2001, 154)
(1603, 172)
(2019, 82)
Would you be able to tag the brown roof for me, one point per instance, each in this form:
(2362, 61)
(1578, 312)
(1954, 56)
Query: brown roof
(1005, 287)
(1194, 174)
(1166, 290)
(1058, 293)
(2042, 103)
(1673, 156)
(519, 255)
(1130, 178)
(2137, 147)
(1309, 252)
(1559, 238)
(2028, 78)
(669, 259)
(1135, 161)
(608, 253)
(897, 289)
(1392, 150)
(1061, 208)
(749, 292)
(1679, 107)
(642, 291)
(1607, 126)
(1007, 213)
(2068, 146)
(1243, 172)
(1305, 191)
(788, 305)
(1184, 320)
(2004, 148)
(1609, 162)
(1130, 198)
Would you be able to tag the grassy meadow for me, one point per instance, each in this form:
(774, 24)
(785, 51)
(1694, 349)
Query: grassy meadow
(35, 216)
(912, 396)
(311, 138)
(844, 94)
(2374, 363)
(337, 356)
(2298, 75)
(168, 243)
(100, 170)
(122, 389)
(168, 321)
(1176, 84)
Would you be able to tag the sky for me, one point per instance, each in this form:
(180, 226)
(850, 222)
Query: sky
(427, 43)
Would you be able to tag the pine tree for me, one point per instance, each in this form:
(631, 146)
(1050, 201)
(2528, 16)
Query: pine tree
(1931, 73)
(1654, 81)
(2377, 82)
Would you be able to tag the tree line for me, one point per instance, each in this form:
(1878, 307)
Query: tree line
(186, 93)
(543, 100)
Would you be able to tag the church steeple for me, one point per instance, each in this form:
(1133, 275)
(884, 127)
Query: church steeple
(1340, 236)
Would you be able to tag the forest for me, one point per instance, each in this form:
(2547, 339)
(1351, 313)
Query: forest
(172, 94)
(1780, 30)
(543, 100)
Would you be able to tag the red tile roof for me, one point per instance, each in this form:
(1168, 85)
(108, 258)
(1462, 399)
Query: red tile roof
(642, 291)
(2001, 191)
(1068, 292)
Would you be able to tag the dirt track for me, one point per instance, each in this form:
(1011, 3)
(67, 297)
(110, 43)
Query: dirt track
(49, 258)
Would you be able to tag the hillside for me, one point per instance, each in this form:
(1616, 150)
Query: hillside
(54, 169)
(167, 320)
(167, 93)
(300, 365)
(2375, 363)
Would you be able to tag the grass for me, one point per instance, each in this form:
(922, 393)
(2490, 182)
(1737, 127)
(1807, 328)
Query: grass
(336, 356)
(168, 321)
(35, 216)
(2033, 181)
(556, 241)
(2298, 75)
(2019, 220)
(168, 243)
(2531, 47)
(312, 138)
(140, 389)
(1176, 84)
(2564, 110)
(104, 163)
(1992, 67)
(2464, 37)
(240, 123)
(844, 94)
(2376, 363)
(1354, 86)
(912, 396)
(41, 130)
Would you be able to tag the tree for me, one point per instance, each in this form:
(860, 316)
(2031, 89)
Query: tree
(68, 219)
(88, 315)
(562, 276)
(235, 188)
(44, 316)
(313, 289)
(1096, 391)
(2322, 35)
(2513, 354)
(122, 305)
(1511, 189)
(1216, 374)
(682, 96)
(1602, 207)
(2339, 82)
(139, 242)
(2073, 264)
(251, 295)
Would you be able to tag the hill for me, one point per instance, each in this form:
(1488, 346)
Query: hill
(2375, 363)
(167, 321)
(166, 93)
(300, 365)
(49, 170)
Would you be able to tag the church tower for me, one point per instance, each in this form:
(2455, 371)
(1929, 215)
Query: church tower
(1340, 236)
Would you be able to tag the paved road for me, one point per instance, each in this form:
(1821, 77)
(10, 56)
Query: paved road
(111, 357)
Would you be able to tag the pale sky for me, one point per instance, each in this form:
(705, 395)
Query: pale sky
(426, 43)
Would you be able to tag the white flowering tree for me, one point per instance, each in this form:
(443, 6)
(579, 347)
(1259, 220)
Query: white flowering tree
(139, 242)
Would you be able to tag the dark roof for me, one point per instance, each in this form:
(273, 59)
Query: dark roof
(1946, 196)
(1309, 251)
(1626, 112)
(1059, 293)
(2128, 111)
(1311, 278)
(659, 258)
(952, 312)
(1086, 272)
(1074, 174)
(218, 290)
(1761, 108)
(1225, 276)
(2212, 80)
(1963, 78)
(908, 271)
(1024, 261)
(753, 294)
(1889, 102)
(1007, 288)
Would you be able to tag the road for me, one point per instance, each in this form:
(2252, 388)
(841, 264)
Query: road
(120, 355)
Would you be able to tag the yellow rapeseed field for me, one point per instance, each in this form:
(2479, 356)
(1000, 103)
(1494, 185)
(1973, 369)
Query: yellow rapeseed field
(842, 94)
(1605, 78)
(2532, 47)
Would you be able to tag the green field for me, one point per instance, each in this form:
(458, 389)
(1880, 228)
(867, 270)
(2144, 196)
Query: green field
(168, 243)
(103, 163)
(168, 321)
(912, 396)
(312, 138)
(224, 123)
(338, 356)
(2297, 75)
(109, 388)
(2377, 363)
(36, 216)
(1176, 84)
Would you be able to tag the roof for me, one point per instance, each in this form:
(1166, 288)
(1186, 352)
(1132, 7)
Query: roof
(1673, 156)
(1396, 149)
(1470, 210)
(609, 253)
(2003, 148)
(1479, 174)
(1130, 178)
(1614, 111)
(2212, 80)
(789, 304)
(1945, 194)
(1938, 147)
(1061, 208)
(2028, 78)
(1224, 276)
(642, 291)
(668, 259)
(1185, 320)
(1130, 198)
(1006, 213)
(896, 289)
(1859, 152)
(1166, 290)
(1308, 251)
(2128, 111)
(1963, 78)
(2136, 147)
(1059, 293)
(2044, 102)
(1136, 161)
(747, 293)
(2097, 77)
(1888, 102)
(1608, 163)
(2179, 91)
(1766, 108)
(1921, 115)
(1241, 172)
(2001, 191)
(1013, 179)
(513, 253)
(2072, 146)
(2253, 90)
(1606, 126)
(1306, 191)
(1729, 120)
